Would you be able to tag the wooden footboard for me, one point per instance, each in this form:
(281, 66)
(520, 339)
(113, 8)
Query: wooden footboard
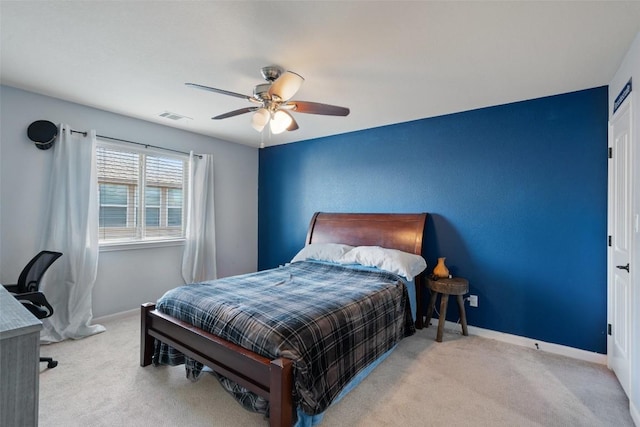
(271, 379)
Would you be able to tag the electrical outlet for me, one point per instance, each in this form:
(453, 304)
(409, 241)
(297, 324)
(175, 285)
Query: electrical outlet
(473, 300)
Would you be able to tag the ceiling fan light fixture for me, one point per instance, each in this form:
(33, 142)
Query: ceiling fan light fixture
(260, 119)
(280, 122)
(286, 85)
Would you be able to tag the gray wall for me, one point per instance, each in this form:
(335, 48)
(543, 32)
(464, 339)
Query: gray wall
(126, 278)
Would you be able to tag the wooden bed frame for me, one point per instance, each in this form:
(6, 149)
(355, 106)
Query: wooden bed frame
(273, 379)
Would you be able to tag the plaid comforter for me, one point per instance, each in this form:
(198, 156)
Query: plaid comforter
(332, 321)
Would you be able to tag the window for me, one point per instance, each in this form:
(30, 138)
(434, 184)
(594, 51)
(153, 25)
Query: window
(113, 205)
(174, 207)
(152, 206)
(140, 194)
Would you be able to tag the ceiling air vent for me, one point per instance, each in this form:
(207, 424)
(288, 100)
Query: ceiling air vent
(173, 116)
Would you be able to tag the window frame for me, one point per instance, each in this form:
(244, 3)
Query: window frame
(142, 240)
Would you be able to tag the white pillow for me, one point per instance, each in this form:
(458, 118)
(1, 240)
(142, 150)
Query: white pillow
(392, 260)
(322, 252)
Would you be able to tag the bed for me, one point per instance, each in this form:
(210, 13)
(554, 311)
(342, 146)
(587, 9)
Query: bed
(273, 378)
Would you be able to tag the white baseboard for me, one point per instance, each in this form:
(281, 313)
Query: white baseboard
(116, 316)
(528, 342)
(635, 414)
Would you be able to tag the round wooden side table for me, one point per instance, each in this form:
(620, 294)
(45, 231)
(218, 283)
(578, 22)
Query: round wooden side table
(456, 286)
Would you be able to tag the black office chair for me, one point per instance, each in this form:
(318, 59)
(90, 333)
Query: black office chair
(27, 290)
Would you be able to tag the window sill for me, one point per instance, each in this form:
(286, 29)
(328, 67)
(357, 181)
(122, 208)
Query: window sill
(141, 244)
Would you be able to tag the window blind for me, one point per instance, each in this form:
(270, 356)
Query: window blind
(140, 194)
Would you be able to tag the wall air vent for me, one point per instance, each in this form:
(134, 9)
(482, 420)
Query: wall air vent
(173, 116)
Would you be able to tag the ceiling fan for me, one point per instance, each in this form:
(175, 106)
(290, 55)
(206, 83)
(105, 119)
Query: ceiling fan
(273, 104)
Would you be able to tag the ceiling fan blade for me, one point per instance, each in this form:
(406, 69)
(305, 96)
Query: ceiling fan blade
(222, 91)
(235, 113)
(285, 86)
(317, 108)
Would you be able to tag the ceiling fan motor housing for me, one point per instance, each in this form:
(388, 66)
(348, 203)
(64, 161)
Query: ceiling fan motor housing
(271, 72)
(261, 92)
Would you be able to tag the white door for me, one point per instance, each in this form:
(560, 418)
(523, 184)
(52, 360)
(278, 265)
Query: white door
(619, 253)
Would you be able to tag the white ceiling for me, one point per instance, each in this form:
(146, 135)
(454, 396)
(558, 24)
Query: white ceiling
(388, 61)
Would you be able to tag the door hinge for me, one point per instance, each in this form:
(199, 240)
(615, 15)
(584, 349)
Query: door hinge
(609, 240)
(609, 328)
(610, 152)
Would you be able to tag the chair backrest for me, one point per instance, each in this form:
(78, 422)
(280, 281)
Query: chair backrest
(29, 280)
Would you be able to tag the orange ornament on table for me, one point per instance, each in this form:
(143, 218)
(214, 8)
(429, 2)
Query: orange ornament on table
(440, 270)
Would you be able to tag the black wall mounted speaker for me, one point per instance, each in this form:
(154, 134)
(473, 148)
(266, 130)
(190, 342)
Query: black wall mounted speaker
(43, 133)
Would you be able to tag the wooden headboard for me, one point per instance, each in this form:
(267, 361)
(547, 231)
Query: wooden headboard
(404, 232)
(395, 231)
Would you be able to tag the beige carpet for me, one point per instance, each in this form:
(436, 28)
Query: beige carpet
(463, 381)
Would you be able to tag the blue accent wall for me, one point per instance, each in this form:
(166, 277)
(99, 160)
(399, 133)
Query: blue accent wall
(517, 197)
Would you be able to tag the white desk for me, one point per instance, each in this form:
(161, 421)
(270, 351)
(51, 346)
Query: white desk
(19, 363)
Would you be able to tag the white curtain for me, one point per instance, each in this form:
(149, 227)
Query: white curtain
(71, 227)
(199, 257)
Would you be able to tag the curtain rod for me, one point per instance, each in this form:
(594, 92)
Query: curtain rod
(136, 143)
